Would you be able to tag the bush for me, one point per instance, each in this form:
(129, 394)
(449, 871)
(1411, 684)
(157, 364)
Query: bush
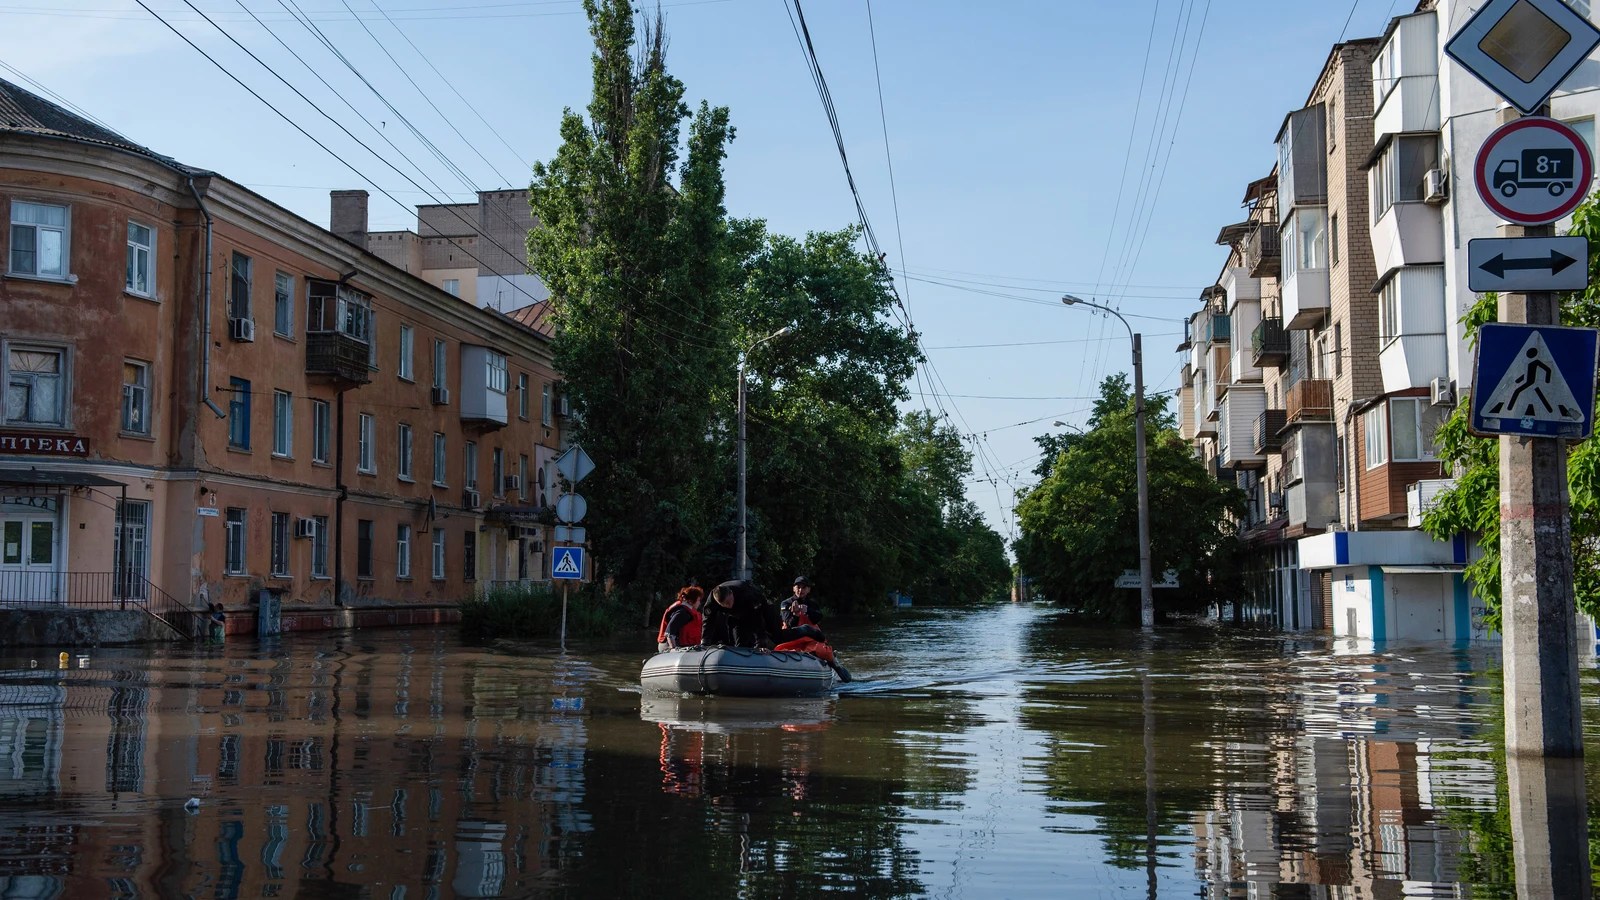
(534, 611)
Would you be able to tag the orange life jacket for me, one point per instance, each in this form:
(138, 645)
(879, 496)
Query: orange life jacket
(689, 635)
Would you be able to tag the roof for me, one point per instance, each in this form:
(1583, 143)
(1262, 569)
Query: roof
(1234, 232)
(535, 316)
(1260, 187)
(32, 476)
(23, 112)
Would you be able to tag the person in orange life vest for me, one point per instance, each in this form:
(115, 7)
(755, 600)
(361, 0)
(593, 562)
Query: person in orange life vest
(800, 620)
(680, 624)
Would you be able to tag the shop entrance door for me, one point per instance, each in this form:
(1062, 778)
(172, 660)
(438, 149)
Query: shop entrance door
(28, 558)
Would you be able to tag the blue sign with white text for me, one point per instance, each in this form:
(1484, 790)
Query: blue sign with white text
(566, 562)
(1534, 380)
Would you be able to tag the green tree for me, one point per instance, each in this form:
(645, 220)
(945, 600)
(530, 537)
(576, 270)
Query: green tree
(1080, 524)
(638, 268)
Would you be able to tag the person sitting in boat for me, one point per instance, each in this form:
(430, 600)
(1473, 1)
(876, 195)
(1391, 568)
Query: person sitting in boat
(798, 610)
(680, 624)
(801, 622)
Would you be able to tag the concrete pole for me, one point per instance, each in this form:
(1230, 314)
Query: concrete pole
(742, 563)
(1550, 827)
(1147, 599)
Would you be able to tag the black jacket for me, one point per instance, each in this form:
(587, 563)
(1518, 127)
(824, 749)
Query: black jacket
(752, 622)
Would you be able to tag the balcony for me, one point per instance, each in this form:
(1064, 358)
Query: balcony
(1270, 343)
(1265, 435)
(1222, 473)
(337, 355)
(1305, 296)
(1262, 252)
(1240, 409)
(1309, 400)
(1219, 328)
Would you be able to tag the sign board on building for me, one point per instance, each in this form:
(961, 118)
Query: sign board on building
(1533, 171)
(1523, 49)
(207, 512)
(44, 443)
(1535, 380)
(1528, 264)
(566, 563)
(1130, 579)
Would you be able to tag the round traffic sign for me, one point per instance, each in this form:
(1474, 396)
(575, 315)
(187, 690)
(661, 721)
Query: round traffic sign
(1533, 171)
(571, 508)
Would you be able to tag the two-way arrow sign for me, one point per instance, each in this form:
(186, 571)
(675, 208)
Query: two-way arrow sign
(1528, 264)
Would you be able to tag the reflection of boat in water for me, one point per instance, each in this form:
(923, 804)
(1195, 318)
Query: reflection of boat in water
(736, 672)
(722, 715)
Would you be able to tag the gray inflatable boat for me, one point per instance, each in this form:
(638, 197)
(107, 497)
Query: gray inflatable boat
(736, 672)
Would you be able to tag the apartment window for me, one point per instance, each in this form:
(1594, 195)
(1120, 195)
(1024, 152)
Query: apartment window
(438, 555)
(497, 372)
(1333, 239)
(141, 259)
(1389, 311)
(135, 397)
(321, 430)
(452, 286)
(497, 469)
(1584, 127)
(331, 306)
(36, 385)
(40, 239)
(1397, 175)
(280, 544)
(283, 304)
(1333, 123)
(233, 550)
(440, 358)
(438, 459)
(1291, 461)
(469, 554)
(1414, 421)
(372, 339)
(1338, 349)
(363, 548)
(365, 463)
(522, 396)
(544, 404)
(470, 461)
(133, 520)
(1377, 440)
(406, 369)
(1311, 238)
(282, 423)
(239, 287)
(402, 551)
(239, 413)
(319, 548)
(403, 446)
(522, 476)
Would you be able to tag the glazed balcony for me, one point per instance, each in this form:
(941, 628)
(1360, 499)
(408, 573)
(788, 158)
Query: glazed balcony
(337, 355)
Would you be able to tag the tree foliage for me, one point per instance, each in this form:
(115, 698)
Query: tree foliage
(1080, 524)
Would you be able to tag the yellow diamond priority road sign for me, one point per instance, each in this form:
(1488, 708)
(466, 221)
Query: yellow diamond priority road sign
(1523, 49)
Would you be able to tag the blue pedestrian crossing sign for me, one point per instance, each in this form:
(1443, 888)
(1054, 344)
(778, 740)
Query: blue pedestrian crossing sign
(1534, 380)
(567, 563)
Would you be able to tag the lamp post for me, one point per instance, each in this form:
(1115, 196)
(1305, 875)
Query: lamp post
(1147, 601)
(742, 563)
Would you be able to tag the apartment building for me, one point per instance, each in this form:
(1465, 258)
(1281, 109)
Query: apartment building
(212, 400)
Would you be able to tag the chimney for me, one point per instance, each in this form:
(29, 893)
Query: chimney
(349, 218)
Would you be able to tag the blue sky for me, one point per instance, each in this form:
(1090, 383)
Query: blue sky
(1038, 146)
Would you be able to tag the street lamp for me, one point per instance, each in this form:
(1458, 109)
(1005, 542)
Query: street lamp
(743, 561)
(1147, 600)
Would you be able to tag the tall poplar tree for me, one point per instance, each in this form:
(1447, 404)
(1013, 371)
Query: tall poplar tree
(638, 268)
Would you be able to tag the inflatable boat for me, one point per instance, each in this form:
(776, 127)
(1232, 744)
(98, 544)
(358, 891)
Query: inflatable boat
(736, 672)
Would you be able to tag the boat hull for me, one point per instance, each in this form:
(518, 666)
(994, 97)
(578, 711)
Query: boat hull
(736, 672)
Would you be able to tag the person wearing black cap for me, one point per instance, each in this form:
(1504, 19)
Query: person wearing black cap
(798, 611)
(803, 630)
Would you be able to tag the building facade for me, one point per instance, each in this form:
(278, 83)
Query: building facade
(209, 399)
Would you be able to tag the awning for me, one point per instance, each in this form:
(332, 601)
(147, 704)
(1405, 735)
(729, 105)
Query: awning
(54, 478)
(1424, 569)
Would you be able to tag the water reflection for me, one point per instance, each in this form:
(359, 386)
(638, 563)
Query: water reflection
(992, 754)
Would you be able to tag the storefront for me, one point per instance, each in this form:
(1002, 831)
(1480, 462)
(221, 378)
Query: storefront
(35, 506)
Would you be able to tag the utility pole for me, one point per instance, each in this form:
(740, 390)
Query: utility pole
(742, 563)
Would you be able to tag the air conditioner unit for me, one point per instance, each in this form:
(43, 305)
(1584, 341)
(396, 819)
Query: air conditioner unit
(512, 483)
(242, 329)
(470, 499)
(1441, 392)
(1435, 186)
(305, 527)
(440, 396)
(563, 406)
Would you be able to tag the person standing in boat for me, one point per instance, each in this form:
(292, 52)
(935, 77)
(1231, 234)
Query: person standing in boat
(681, 623)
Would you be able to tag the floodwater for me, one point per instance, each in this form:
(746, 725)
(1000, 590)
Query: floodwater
(989, 753)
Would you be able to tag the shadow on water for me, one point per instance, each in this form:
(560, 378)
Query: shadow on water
(988, 753)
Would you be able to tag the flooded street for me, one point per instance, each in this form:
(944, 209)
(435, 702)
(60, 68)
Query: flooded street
(994, 753)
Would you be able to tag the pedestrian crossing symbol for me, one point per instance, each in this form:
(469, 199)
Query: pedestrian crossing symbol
(567, 563)
(1535, 380)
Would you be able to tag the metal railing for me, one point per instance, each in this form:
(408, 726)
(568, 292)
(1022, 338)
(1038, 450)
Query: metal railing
(1269, 342)
(98, 590)
(1262, 251)
(1266, 436)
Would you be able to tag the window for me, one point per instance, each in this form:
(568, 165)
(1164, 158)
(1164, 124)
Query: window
(469, 554)
(403, 447)
(1397, 175)
(40, 239)
(233, 550)
(35, 386)
(1377, 441)
(497, 372)
(282, 423)
(239, 413)
(364, 449)
(522, 476)
(544, 404)
(405, 368)
(522, 396)
(497, 469)
(321, 430)
(239, 287)
(319, 547)
(331, 306)
(141, 260)
(283, 304)
(280, 544)
(372, 340)
(1414, 421)
(402, 551)
(1311, 238)
(440, 359)
(135, 397)
(438, 459)
(452, 286)
(438, 555)
(1338, 349)
(133, 521)
(1333, 239)
(363, 548)
(1333, 123)
(1389, 311)
(471, 463)
(1585, 130)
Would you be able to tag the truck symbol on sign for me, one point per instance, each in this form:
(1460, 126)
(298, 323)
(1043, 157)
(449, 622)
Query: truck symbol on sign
(1550, 169)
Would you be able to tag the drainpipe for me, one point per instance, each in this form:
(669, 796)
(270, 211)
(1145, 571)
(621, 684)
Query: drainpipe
(205, 310)
(338, 505)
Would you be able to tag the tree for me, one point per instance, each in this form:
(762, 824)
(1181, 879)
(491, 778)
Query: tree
(1080, 524)
(638, 269)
